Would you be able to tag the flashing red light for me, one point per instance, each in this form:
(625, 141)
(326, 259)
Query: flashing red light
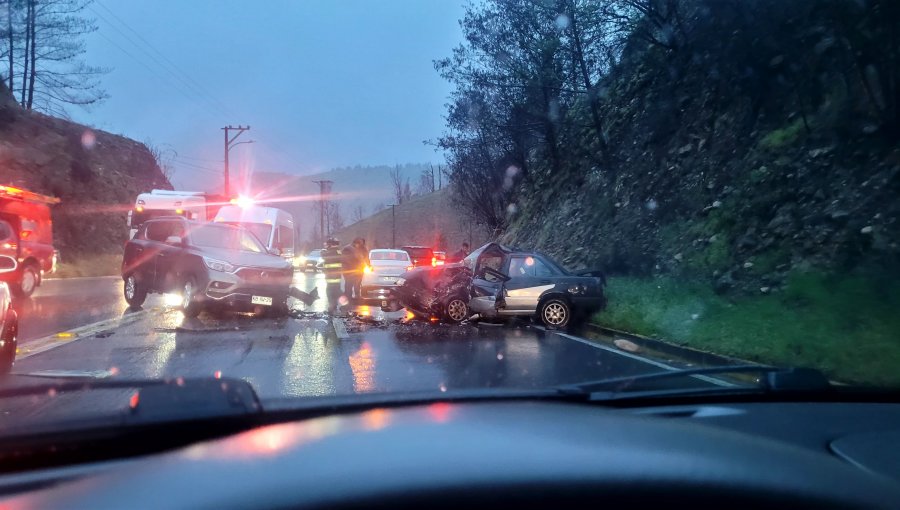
(242, 201)
(24, 234)
(134, 400)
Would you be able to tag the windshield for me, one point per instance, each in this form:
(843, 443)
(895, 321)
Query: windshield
(262, 231)
(588, 189)
(388, 255)
(226, 238)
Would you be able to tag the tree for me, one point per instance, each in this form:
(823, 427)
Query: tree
(358, 214)
(335, 220)
(163, 158)
(426, 182)
(44, 46)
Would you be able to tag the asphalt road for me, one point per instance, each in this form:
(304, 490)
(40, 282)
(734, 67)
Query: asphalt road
(291, 357)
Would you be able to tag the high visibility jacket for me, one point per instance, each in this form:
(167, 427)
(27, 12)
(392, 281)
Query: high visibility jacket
(333, 265)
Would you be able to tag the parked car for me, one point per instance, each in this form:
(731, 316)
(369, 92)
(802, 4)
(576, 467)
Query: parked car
(9, 330)
(421, 255)
(495, 281)
(380, 278)
(204, 263)
(313, 262)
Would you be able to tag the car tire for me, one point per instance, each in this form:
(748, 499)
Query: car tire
(456, 310)
(28, 281)
(190, 305)
(134, 291)
(9, 337)
(555, 313)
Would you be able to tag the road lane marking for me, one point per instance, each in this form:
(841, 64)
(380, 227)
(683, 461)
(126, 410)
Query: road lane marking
(658, 364)
(340, 329)
(33, 347)
(82, 278)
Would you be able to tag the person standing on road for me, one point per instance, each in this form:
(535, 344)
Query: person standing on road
(461, 253)
(352, 272)
(362, 262)
(333, 266)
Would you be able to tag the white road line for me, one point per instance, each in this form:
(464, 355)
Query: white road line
(33, 347)
(81, 278)
(340, 329)
(658, 364)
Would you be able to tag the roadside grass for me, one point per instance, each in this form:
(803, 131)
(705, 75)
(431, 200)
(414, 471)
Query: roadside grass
(95, 265)
(847, 326)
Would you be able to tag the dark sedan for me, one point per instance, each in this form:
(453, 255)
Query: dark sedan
(495, 281)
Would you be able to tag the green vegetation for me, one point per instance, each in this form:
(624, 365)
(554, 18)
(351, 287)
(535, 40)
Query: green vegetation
(844, 325)
(783, 137)
(97, 265)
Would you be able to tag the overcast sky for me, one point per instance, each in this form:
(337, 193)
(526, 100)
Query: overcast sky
(322, 83)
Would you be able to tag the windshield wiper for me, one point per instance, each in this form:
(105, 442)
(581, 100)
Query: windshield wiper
(160, 399)
(772, 379)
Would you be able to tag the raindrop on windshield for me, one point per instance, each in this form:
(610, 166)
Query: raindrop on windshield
(88, 139)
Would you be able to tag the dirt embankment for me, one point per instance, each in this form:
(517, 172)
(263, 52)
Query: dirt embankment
(96, 174)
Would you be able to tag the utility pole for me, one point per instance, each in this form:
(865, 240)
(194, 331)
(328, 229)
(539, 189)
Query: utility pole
(393, 227)
(324, 188)
(229, 143)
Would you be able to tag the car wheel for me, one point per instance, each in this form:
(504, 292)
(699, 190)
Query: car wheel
(456, 310)
(27, 282)
(190, 305)
(9, 341)
(135, 292)
(555, 313)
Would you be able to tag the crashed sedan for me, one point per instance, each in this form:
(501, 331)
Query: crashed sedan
(495, 282)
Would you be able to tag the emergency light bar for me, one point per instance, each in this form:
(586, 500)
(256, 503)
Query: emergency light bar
(25, 195)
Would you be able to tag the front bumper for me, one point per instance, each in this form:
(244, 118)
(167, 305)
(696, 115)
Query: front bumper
(236, 289)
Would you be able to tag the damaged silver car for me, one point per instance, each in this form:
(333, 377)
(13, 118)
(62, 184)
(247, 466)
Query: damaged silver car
(496, 282)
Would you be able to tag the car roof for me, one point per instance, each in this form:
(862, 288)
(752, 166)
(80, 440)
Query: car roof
(393, 250)
(416, 247)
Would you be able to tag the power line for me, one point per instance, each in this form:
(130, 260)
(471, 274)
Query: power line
(152, 71)
(172, 65)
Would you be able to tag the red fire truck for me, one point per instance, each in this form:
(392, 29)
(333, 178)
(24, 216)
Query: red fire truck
(26, 239)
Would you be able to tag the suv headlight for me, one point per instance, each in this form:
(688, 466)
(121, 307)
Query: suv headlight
(218, 265)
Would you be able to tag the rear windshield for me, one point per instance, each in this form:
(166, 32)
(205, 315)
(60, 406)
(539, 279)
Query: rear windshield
(419, 253)
(228, 238)
(388, 255)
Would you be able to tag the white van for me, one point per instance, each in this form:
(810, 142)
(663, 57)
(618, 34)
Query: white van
(193, 205)
(273, 227)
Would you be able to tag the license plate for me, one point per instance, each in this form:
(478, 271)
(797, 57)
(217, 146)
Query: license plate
(261, 300)
(389, 278)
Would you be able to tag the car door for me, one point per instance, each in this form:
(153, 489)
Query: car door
(140, 255)
(166, 256)
(529, 278)
(487, 283)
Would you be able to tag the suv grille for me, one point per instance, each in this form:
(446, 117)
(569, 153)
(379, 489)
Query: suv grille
(265, 276)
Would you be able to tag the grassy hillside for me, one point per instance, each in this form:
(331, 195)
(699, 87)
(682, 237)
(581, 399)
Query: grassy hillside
(97, 175)
(430, 220)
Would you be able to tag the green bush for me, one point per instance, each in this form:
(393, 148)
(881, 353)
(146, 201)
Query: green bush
(783, 137)
(846, 326)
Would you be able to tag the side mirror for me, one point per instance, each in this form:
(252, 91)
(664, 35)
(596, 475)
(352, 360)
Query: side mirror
(174, 240)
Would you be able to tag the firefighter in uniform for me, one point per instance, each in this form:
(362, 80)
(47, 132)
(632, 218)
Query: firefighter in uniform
(333, 265)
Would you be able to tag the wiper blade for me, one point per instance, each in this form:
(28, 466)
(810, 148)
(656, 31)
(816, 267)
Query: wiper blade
(772, 379)
(160, 399)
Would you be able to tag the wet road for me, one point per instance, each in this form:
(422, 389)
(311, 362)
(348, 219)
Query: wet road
(315, 356)
(63, 304)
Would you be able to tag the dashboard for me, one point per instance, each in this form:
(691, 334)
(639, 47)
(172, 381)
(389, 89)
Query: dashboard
(514, 453)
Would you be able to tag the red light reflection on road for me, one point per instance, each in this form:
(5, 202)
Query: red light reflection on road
(362, 364)
(440, 411)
